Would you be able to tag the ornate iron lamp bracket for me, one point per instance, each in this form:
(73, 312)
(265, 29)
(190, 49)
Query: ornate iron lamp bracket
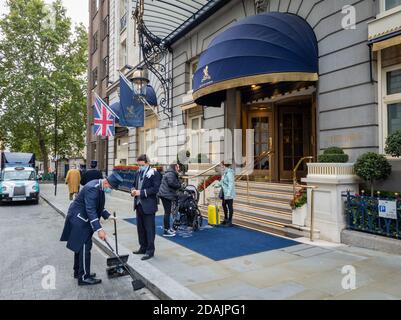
(153, 52)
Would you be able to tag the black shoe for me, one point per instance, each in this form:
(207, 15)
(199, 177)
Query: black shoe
(92, 275)
(147, 257)
(224, 222)
(139, 252)
(229, 224)
(89, 282)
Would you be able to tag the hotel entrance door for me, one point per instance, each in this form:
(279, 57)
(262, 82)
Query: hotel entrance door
(262, 124)
(294, 138)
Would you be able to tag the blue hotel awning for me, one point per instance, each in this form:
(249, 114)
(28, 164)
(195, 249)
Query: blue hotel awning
(265, 48)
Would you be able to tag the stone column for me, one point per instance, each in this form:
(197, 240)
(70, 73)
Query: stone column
(110, 155)
(233, 107)
(132, 146)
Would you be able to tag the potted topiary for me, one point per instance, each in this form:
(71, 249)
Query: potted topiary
(372, 167)
(393, 144)
(333, 155)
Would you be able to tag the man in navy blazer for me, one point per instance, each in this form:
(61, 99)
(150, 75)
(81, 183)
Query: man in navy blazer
(146, 186)
(82, 222)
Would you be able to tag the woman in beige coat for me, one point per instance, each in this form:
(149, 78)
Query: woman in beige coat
(73, 179)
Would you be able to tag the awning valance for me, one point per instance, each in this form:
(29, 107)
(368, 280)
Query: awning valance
(266, 48)
(386, 41)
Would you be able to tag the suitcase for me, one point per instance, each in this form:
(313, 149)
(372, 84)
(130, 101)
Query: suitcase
(213, 215)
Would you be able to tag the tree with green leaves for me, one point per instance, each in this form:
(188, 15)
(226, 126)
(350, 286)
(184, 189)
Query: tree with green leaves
(43, 66)
(393, 144)
(372, 167)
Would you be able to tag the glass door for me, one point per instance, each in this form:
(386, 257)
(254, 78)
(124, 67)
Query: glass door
(294, 142)
(262, 124)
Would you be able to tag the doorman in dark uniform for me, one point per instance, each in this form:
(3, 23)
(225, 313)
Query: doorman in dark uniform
(91, 174)
(82, 222)
(146, 186)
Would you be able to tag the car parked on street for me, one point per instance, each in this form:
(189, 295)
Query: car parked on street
(19, 184)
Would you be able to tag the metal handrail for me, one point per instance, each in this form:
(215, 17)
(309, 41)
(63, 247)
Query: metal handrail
(204, 181)
(294, 174)
(259, 158)
(202, 173)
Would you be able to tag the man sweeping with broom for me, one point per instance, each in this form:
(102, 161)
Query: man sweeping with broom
(82, 222)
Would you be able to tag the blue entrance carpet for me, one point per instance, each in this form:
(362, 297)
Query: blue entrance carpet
(220, 243)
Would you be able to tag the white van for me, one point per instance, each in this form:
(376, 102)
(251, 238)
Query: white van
(19, 184)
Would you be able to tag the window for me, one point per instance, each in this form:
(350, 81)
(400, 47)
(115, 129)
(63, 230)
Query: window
(193, 65)
(394, 117)
(390, 4)
(123, 22)
(195, 127)
(95, 42)
(94, 78)
(95, 7)
(394, 82)
(123, 54)
(391, 112)
(106, 27)
(105, 71)
(148, 139)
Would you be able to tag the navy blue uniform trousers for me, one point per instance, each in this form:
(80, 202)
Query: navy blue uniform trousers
(82, 261)
(146, 226)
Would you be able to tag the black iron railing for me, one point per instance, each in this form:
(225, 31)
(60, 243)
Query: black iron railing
(362, 214)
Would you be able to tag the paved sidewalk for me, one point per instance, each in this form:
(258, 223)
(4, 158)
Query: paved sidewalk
(31, 249)
(304, 271)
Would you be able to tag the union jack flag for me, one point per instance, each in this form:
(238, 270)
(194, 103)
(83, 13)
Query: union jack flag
(103, 119)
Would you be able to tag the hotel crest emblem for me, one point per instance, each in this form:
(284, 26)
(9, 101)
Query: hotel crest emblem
(206, 75)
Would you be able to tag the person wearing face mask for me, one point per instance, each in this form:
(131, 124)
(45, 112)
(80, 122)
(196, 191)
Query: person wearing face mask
(83, 220)
(168, 193)
(146, 186)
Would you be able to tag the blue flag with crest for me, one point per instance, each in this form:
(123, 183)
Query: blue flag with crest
(132, 108)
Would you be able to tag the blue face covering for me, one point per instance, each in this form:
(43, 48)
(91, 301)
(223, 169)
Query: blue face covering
(107, 190)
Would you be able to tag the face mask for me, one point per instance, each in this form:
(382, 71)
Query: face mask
(107, 190)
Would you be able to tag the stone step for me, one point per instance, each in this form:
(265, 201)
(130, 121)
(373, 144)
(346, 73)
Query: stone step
(267, 225)
(258, 203)
(264, 203)
(267, 195)
(276, 215)
(266, 186)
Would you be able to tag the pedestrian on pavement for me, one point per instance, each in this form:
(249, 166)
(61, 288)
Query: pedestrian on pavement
(92, 174)
(146, 186)
(82, 222)
(72, 180)
(227, 193)
(168, 193)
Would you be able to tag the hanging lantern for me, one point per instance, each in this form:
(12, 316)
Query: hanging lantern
(140, 82)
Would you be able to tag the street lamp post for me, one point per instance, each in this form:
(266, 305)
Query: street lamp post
(55, 147)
